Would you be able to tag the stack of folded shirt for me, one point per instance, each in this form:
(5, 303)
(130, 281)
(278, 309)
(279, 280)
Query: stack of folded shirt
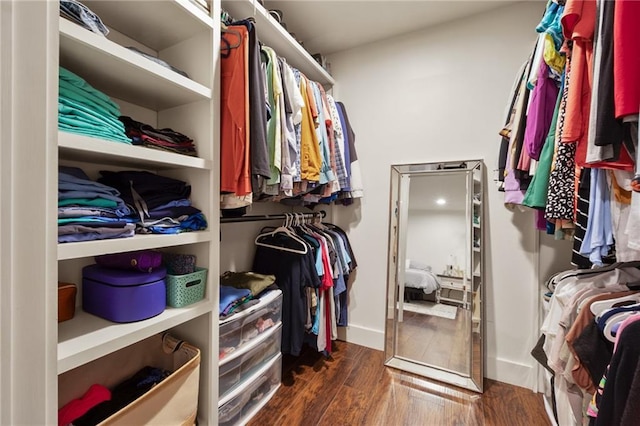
(77, 12)
(87, 111)
(166, 139)
(231, 298)
(89, 210)
(162, 204)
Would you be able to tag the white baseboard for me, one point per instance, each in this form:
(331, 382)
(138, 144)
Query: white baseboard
(363, 336)
(510, 372)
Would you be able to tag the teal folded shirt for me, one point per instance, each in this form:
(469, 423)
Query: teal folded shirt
(78, 82)
(91, 133)
(93, 202)
(71, 108)
(72, 92)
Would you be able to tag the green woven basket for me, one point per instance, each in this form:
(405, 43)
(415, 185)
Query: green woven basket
(183, 290)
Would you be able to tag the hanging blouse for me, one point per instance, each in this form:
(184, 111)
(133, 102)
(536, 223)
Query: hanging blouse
(234, 165)
(310, 161)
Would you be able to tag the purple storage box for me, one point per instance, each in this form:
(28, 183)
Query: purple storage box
(123, 296)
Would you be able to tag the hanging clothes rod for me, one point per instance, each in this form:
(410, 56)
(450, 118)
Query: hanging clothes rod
(257, 218)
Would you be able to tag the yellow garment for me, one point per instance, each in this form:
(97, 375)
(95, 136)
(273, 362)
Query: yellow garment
(552, 57)
(310, 157)
(621, 195)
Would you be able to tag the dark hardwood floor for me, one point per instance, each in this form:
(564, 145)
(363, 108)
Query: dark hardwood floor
(353, 387)
(436, 341)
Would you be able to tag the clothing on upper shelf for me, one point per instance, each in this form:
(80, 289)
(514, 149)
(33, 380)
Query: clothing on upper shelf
(311, 264)
(283, 138)
(569, 113)
(77, 12)
(87, 111)
(158, 61)
(164, 139)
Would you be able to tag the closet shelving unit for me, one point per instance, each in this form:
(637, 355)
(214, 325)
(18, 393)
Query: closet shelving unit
(274, 35)
(35, 348)
(178, 32)
(477, 237)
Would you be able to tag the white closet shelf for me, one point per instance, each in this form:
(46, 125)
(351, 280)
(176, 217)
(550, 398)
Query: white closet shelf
(171, 22)
(87, 337)
(123, 74)
(76, 147)
(82, 249)
(272, 34)
(477, 202)
(476, 225)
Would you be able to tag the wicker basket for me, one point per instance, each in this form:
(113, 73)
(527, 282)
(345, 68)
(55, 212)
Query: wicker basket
(174, 401)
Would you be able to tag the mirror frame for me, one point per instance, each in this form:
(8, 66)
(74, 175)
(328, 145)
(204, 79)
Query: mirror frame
(398, 221)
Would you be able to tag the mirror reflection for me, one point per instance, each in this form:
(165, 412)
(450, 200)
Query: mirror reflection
(434, 312)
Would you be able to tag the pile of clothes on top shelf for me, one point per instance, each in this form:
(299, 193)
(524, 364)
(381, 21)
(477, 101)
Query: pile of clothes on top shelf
(122, 203)
(80, 14)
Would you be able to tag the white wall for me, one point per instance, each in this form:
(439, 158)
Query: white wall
(435, 95)
(437, 238)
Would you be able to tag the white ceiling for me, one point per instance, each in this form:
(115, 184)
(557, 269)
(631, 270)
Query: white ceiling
(331, 26)
(425, 189)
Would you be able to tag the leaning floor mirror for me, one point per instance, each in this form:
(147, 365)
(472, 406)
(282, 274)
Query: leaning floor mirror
(435, 275)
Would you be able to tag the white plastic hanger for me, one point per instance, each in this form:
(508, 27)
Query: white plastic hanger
(584, 302)
(317, 223)
(598, 308)
(287, 231)
(615, 319)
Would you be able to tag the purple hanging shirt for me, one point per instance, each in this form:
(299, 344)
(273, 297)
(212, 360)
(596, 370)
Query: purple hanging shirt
(541, 107)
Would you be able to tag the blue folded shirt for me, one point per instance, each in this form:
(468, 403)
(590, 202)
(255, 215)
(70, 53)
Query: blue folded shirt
(230, 295)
